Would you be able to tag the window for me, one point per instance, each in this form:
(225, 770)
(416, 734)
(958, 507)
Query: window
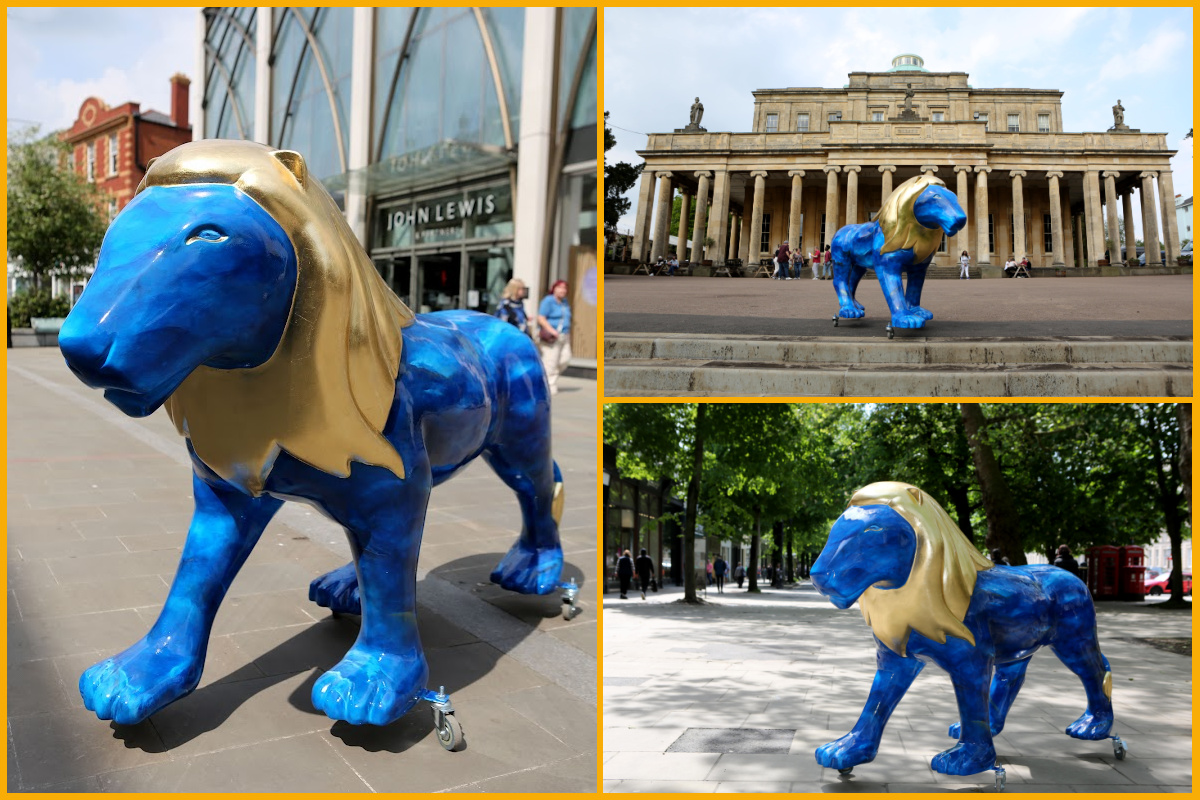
(112, 210)
(802, 122)
(822, 232)
(939, 116)
(772, 123)
(942, 246)
(765, 242)
(112, 154)
(991, 233)
(1043, 123)
(1014, 123)
(91, 161)
(1012, 236)
(1047, 235)
(835, 116)
(981, 116)
(71, 160)
(876, 116)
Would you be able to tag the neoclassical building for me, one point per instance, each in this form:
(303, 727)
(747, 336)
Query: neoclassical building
(817, 159)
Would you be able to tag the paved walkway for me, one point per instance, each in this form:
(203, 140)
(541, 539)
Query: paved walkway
(1159, 305)
(98, 506)
(736, 695)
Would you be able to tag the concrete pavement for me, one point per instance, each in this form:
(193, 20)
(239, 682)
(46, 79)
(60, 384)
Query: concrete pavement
(735, 695)
(98, 506)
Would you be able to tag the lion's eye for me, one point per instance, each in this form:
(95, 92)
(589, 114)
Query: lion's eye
(207, 234)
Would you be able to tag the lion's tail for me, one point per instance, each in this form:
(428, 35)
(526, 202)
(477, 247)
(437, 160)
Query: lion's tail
(1107, 678)
(560, 496)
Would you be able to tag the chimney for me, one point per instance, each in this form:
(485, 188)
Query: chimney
(179, 99)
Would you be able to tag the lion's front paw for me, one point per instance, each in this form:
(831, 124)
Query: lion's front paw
(918, 311)
(847, 752)
(529, 571)
(908, 320)
(852, 310)
(337, 590)
(1091, 725)
(965, 758)
(134, 684)
(371, 688)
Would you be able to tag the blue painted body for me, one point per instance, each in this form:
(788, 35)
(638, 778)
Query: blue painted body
(201, 274)
(1013, 612)
(856, 248)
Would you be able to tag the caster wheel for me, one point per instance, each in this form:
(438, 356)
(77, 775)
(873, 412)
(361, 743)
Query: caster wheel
(1119, 750)
(835, 322)
(568, 611)
(1000, 779)
(891, 333)
(846, 771)
(449, 732)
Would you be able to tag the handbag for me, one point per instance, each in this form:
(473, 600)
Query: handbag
(545, 337)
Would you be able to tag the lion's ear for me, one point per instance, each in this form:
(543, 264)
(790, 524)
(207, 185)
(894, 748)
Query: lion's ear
(294, 163)
(150, 163)
(916, 494)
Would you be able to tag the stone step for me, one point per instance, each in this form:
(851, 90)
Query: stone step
(683, 364)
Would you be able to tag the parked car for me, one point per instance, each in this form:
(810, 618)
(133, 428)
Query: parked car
(1186, 254)
(1161, 583)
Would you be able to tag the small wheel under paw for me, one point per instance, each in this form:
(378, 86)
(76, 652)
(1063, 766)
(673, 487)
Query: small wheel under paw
(1000, 778)
(846, 771)
(449, 731)
(1119, 749)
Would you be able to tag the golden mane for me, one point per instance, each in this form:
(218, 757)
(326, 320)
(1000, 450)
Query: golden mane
(325, 393)
(899, 225)
(934, 599)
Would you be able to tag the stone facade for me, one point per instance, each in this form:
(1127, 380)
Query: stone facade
(817, 159)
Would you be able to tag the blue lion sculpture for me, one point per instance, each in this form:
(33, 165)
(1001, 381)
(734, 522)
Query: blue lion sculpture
(903, 239)
(232, 290)
(929, 595)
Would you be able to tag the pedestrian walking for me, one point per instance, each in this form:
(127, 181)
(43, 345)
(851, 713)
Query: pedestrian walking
(708, 570)
(739, 574)
(964, 266)
(554, 333)
(719, 570)
(645, 569)
(625, 573)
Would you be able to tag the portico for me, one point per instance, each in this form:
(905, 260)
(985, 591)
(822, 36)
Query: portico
(1029, 188)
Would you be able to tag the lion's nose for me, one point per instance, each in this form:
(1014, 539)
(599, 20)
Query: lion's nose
(85, 349)
(818, 578)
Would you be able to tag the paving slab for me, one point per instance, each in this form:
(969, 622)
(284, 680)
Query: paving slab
(719, 673)
(98, 510)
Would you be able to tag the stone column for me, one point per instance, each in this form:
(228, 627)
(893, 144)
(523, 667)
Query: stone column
(929, 169)
(1130, 231)
(718, 220)
(760, 190)
(887, 170)
(641, 225)
(1081, 259)
(735, 227)
(700, 229)
(796, 213)
(744, 243)
(1110, 206)
(851, 194)
(1056, 227)
(662, 216)
(1095, 222)
(962, 240)
(1018, 212)
(982, 253)
(831, 202)
(681, 235)
(1166, 194)
(1150, 220)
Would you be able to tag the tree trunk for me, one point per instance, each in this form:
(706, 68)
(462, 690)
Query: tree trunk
(755, 542)
(791, 559)
(1184, 410)
(689, 518)
(1167, 475)
(1002, 521)
(960, 499)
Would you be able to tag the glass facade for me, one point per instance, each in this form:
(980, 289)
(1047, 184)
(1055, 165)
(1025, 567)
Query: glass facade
(229, 67)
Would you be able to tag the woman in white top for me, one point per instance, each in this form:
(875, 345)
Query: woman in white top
(964, 266)
(1010, 267)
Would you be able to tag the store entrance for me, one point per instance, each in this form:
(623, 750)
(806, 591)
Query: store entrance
(439, 281)
(488, 272)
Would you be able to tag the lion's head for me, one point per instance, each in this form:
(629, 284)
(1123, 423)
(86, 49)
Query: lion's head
(232, 287)
(898, 553)
(916, 215)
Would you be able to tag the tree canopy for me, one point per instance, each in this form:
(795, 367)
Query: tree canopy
(55, 222)
(619, 178)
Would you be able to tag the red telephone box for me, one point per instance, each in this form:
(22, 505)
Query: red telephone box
(1131, 578)
(1102, 572)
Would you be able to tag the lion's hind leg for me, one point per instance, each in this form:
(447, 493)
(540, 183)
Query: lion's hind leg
(1091, 667)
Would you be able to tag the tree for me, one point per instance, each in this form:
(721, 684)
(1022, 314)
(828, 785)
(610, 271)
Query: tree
(55, 222)
(619, 178)
(1003, 525)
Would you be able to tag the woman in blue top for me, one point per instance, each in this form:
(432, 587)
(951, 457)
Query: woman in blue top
(512, 304)
(554, 328)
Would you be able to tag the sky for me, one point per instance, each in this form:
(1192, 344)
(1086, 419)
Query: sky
(657, 60)
(58, 57)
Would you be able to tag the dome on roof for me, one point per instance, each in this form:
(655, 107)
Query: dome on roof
(908, 62)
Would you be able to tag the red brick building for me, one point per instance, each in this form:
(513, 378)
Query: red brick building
(112, 145)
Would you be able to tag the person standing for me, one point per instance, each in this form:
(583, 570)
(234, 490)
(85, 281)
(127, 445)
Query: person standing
(512, 304)
(782, 262)
(554, 328)
(645, 569)
(719, 570)
(625, 573)
(827, 264)
(739, 574)
(1066, 560)
(964, 266)
(797, 263)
